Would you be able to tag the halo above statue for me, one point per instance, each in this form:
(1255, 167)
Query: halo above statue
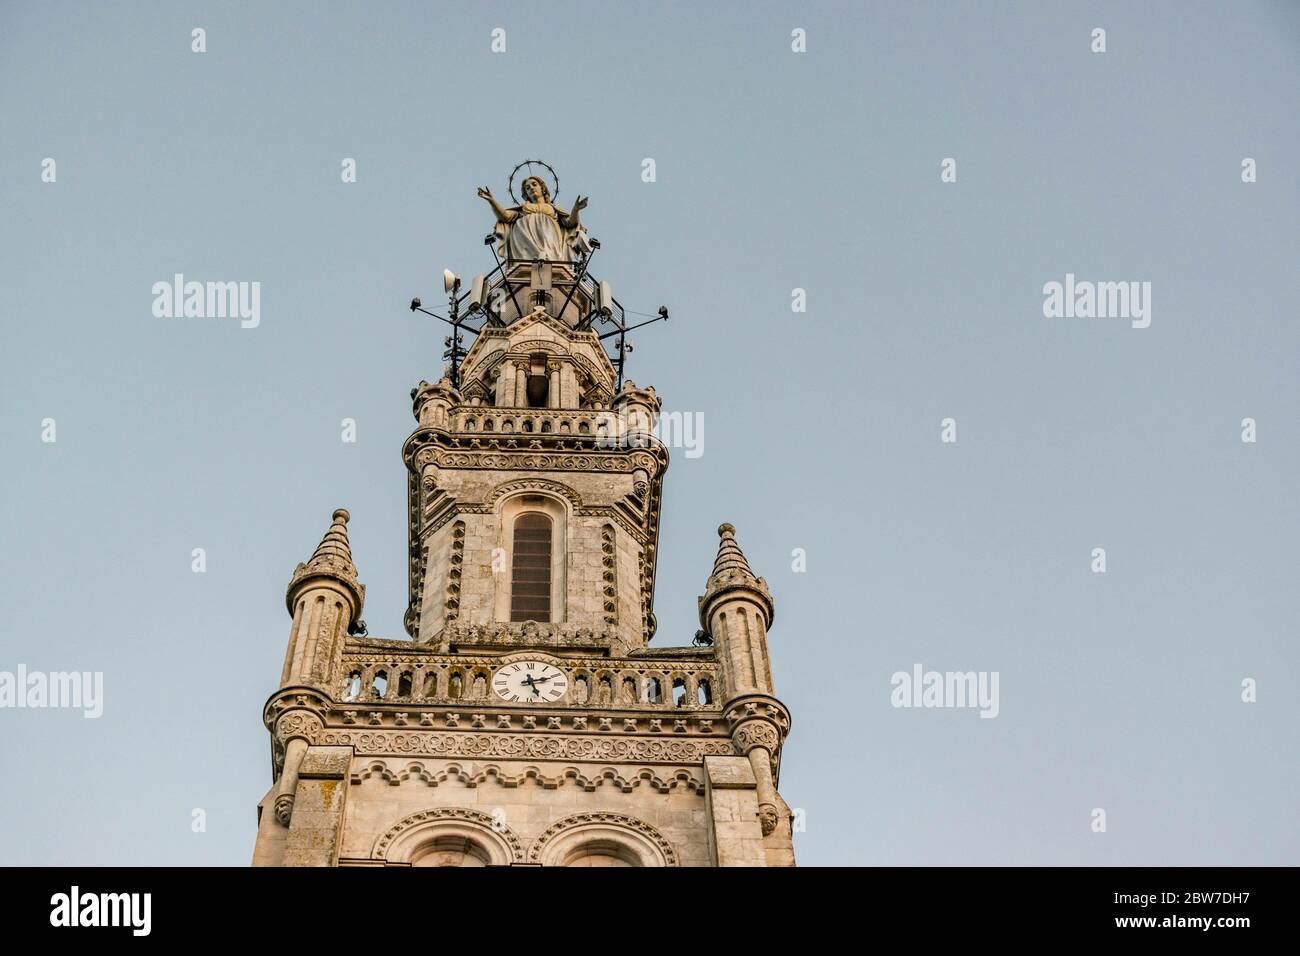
(533, 167)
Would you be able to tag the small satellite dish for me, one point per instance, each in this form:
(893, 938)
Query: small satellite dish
(450, 281)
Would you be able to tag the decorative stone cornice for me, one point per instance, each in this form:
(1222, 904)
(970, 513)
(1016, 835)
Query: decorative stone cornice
(612, 748)
(538, 452)
(526, 634)
(741, 712)
(295, 698)
(472, 775)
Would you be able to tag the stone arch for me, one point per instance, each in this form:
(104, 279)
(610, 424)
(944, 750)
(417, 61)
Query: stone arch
(534, 486)
(621, 839)
(557, 502)
(429, 831)
(549, 346)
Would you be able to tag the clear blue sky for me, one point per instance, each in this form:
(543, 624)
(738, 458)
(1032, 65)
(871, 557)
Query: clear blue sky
(775, 170)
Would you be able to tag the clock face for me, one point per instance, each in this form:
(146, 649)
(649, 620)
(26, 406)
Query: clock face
(530, 682)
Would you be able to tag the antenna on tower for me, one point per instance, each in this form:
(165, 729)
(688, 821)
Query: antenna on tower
(623, 347)
(453, 344)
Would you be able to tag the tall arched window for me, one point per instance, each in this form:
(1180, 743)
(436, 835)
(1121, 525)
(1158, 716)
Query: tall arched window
(530, 573)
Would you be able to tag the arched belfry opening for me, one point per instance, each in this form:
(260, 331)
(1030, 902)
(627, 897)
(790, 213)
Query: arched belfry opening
(537, 388)
(530, 571)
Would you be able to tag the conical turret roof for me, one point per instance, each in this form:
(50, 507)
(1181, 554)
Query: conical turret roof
(331, 559)
(732, 572)
(334, 549)
(731, 560)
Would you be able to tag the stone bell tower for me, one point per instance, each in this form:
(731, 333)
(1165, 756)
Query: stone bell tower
(527, 720)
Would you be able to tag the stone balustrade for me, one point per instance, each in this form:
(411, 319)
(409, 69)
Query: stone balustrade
(489, 419)
(661, 686)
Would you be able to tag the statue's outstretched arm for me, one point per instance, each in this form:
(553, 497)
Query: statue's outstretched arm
(502, 214)
(570, 220)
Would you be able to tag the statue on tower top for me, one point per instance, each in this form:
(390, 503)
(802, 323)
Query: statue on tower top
(536, 228)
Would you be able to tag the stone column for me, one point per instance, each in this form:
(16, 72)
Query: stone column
(288, 786)
(758, 724)
(521, 385)
(294, 729)
(569, 386)
(553, 392)
(506, 384)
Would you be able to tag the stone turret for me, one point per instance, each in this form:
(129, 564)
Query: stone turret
(325, 601)
(737, 610)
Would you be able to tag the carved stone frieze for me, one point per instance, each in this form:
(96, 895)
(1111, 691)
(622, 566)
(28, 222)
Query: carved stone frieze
(397, 772)
(527, 633)
(532, 460)
(521, 745)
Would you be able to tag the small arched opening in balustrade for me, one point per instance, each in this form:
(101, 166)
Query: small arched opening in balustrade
(679, 691)
(704, 691)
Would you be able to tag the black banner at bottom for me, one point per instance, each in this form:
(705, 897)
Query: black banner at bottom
(1174, 905)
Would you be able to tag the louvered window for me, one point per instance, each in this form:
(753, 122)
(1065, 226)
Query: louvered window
(530, 575)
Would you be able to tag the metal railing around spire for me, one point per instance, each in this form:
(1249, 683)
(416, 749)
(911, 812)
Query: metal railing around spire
(481, 305)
